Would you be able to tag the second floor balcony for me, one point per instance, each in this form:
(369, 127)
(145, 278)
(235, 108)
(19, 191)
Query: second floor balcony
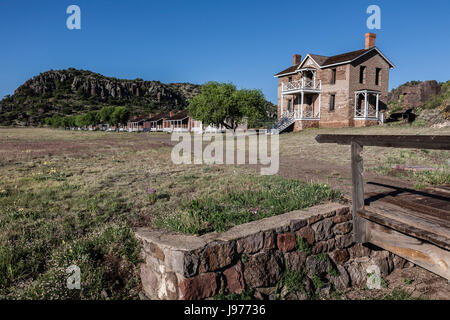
(306, 85)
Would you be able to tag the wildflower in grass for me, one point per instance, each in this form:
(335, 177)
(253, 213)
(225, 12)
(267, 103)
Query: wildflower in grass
(152, 196)
(3, 192)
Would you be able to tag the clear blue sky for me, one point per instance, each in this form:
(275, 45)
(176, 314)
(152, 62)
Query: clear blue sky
(244, 42)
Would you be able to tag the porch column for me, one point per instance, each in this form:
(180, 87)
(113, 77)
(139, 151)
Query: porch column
(376, 105)
(282, 104)
(366, 105)
(301, 113)
(314, 79)
(320, 96)
(356, 102)
(298, 109)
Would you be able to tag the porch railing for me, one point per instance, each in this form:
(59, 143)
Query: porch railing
(308, 113)
(303, 84)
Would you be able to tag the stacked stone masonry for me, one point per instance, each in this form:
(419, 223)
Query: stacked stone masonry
(255, 255)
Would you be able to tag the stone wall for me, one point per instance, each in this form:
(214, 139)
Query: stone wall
(318, 242)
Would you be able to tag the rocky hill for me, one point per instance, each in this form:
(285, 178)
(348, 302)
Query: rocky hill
(72, 91)
(413, 94)
(429, 100)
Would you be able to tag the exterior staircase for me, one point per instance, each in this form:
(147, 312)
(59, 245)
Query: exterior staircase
(285, 121)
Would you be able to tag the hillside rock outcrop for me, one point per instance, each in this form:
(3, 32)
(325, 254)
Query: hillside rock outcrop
(414, 94)
(75, 91)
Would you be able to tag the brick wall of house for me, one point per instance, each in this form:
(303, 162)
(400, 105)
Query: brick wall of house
(341, 114)
(371, 61)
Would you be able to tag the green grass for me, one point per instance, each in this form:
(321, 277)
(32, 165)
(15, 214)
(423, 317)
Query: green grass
(317, 282)
(333, 272)
(435, 177)
(421, 179)
(245, 295)
(264, 196)
(39, 241)
(321, 257)
(303, 245)
(292, 282)
(398, 294)
(408, 281)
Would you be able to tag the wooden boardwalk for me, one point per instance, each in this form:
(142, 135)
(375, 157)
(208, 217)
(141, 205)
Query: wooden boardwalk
(414, 224)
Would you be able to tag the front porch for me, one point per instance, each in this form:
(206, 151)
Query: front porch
(367, 105)
(307, 83)
(300, 99)
(302, 106)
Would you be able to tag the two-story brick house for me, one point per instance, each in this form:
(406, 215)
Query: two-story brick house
(348, 89)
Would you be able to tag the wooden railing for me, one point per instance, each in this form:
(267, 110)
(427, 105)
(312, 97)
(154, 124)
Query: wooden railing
(307, 84)
(357, 142)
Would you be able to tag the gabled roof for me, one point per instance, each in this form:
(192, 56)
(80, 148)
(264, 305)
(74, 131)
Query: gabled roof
(138, 119)
(291, 69)
(159, 116)
(180, 115)
(344, 58)
(318, 59)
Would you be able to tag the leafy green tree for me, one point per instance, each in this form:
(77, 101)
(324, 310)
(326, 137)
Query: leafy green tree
(55, 121)
(80, 121)
(92, 118)
(221, 104)
(106, 114)
(69, 122)
(120, 116)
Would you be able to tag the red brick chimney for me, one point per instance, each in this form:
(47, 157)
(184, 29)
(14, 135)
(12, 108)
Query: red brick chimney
(297, 59)
(150, 115)
(370, 40)
(171, 113)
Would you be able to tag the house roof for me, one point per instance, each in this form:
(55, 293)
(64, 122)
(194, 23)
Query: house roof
(159, 116)
(180, 115)
(320, 60)
(343, 58)
(291, 69)
(138, 119)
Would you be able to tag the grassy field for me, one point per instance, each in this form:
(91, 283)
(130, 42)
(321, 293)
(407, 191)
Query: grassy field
(73, 198)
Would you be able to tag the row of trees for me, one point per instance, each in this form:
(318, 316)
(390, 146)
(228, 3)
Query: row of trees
(109, 115)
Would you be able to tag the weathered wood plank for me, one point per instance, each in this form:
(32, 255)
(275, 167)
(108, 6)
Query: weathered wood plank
(418, 207)
(406, 228)
(394, 141)
(426, 255)
(441, 190)
(359, 226)
(417, 219)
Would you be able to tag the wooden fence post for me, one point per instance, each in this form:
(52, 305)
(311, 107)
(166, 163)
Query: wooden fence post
(359, 224)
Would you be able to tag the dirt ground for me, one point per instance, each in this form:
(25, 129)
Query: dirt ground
(409, 283)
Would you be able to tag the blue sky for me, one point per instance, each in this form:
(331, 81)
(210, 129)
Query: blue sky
(244, 42)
